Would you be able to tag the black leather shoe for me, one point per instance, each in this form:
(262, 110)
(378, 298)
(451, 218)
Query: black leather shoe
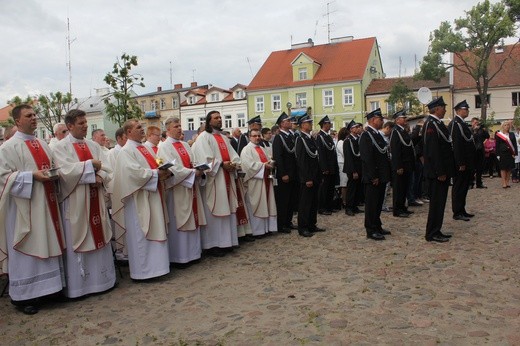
(409, 212)
(400, 215)
(285, 230)
(291, 226)
(481, 187)
(358, 211)
(325, 212)
(460, 217)
(414, 204)
(447, 236)
(350, 212)
(468, 214)
(438, 239)
(384, 231)
(305, 233)
(376, 236)
(317, 229)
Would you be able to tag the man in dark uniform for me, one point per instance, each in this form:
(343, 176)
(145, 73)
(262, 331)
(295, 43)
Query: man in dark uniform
(352, 167)
(328, 165)
(438, 168)
(287, 188)
(480, 134)
(403, 164)
(464, 153)
(376, 174)
(254, 124)
(309, 171)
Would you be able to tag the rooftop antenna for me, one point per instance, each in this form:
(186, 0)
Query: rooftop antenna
(329, 24)
(171, 77)
(400, 63)
(69, 41)
(193, 75)
(249, 63)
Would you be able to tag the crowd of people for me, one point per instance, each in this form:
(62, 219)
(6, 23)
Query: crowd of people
(69, 207)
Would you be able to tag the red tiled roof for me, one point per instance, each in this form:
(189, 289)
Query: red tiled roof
(4, 112)
(508, 76)
(384, 85)
(342, 61)
(239, 86)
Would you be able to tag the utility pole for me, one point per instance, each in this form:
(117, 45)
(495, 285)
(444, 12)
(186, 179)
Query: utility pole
(69, 41)
(171, 76)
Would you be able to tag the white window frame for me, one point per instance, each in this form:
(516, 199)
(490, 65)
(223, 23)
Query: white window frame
(239, 94)
(301, 99)
(328, 100)
(374, 105)
(348, 96)
(215, 97)
(192, 100)
(202, 120)
(143, 106)
(153, 105)
(191, 124)
(163, 104)
(302, 73)
(228, 121)
(276, 102)
(241, 120)
(391, 108)
(175, 103)
(259, 104)
(515, 99)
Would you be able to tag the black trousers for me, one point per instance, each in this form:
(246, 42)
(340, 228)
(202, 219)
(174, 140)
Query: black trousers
(374, 197)
(438, 196)
(459, 191)
(286, 202)
(308, 206)
(400, 185)
(479, 166)
(326, 192)
(354, 192)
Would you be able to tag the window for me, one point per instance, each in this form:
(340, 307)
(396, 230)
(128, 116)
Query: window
(192, 100)
(143, 106)
(259, 103)
(301, 100)
(191, 125)
(227, 121)
(175, 103)
(215, 97)
(276, 102)
(154, 105)
(241, 118)
(478, 103)
(328, 98)
(516, 99)
(202, 121)
(302, 73)
(163, 104)
(390, 108)
(42, 132)
(348, 96)
(374, 105)
(239, 94)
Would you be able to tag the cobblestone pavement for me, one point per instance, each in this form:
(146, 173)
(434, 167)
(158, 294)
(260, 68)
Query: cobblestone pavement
(336, 288)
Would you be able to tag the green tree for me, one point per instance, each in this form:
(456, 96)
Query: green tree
(516, 118)
(120, 104)
(402, 97)
(472, 40)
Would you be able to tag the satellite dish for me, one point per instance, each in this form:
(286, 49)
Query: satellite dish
(424, 95)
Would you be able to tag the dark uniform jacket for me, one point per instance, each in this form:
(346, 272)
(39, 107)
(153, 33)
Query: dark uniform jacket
(464, 149)
(351, 156)
(437, 150)
(307, 159)
(327, 152)
(401, 148)
(284, 156)
(375, 164)
(242, 142)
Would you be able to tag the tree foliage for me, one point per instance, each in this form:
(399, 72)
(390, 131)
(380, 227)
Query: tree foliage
(402, 97)
(120, 104)
(472, 40)
(50, 109)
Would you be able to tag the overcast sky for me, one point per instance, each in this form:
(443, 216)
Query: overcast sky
(221, 42)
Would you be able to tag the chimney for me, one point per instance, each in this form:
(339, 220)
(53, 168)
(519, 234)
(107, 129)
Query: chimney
(159, 88)
(178, 86)
(193, 84)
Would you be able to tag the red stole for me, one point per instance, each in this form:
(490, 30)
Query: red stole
(155, 149)
(508, 142)
(96, 225)
(224, 153)
(153, 165)
(43, 162)
(263, 159)
(186, 162)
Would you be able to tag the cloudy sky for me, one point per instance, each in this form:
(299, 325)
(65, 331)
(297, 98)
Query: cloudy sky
(220, 42)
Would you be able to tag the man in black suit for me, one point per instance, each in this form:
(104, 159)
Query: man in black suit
(403, 164)
(309, 171)
(235, 135)
(254, 124)
(352, 167)
(438, 168)
(480, 134)
(328, 165)
(286, 190)
(376, 174)
(464, 153)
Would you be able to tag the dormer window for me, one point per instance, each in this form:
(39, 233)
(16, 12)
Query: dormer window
(215, 97)
(302, 73)
(239, 94)
(192, 100)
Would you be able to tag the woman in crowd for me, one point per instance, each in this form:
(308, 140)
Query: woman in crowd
(342, 134)
(506, 149)
(490, 156)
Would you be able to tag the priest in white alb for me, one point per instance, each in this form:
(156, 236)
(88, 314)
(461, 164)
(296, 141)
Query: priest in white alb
(31, 236)
(138, 205)
(89, 263)
(219, 194)
(183, 201)
(260, 200)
